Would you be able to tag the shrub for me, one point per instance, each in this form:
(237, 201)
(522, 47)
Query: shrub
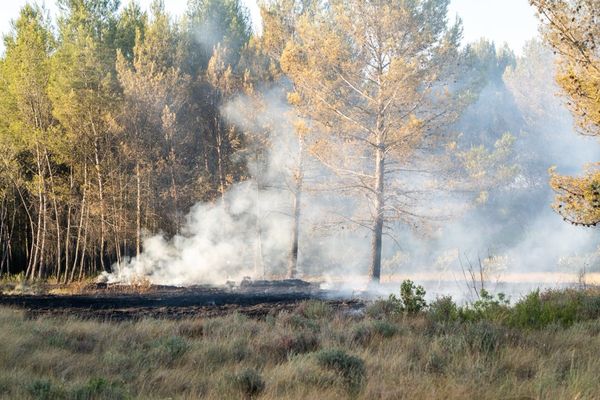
(99, 388)
(537, 311)
(287, 345)
(350, 368)
(384, 328)
(411, 301)
(413, 297)
(484, 337)
(298, 322)
(381, 309)
(41, 390)
(443, 310)
(250, 383)
(169, 349)
(362, 334)
(436, 363)
(315, 309)
(191, 329)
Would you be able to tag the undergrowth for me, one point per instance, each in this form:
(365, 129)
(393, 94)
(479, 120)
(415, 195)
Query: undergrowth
(543, 346)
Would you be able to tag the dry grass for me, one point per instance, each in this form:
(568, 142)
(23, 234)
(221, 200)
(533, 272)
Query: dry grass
(312, 353)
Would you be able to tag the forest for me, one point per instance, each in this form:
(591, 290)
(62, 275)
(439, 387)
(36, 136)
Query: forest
(129, 135)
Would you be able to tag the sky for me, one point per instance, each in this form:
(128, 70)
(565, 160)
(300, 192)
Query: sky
(510, 21)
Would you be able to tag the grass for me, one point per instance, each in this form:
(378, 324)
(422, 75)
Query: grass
(545, 346)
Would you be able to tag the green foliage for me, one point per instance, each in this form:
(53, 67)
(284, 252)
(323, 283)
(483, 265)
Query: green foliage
(315, 310)
(384, 308)
(42, 390)
(350, 368)
(413, 297)
(99, 389)
(536, 311)
(484, 337)
(168, 349)
(411, 301)
(384, 329)
(250, 383)
(443, 310)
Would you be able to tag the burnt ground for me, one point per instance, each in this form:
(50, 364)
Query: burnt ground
(117, 302)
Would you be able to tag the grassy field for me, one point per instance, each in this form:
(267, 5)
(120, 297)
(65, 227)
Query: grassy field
(547, 346)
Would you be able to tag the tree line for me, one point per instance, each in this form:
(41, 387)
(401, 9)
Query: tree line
(112, 118)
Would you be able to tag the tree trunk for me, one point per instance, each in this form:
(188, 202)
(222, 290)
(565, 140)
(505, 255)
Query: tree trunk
(68, 229)
(56, 216)
(376, 243)
(138, 210)
(377, 240)
(80, 226)
(41, 268)
(297, 204)
(101, 198)
(259, 264)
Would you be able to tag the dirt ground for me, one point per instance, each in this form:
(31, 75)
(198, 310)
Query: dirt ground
(117, 302)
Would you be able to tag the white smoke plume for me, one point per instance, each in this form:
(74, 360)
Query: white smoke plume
(248, 232)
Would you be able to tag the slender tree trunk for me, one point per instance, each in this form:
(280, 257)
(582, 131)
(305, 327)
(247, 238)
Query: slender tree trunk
(80, 226)
(41, 268)
(56, 216)
(85, 234)
(3, 234)
(28, 249)
(36, 242)
(377, 240)
(101, 199)
(220, 161)
(138, 209)
(297, 204)
(68, 229)
(174, 194)
(376, 244)
(259, 265)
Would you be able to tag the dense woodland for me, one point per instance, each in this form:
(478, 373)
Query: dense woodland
(112, 123)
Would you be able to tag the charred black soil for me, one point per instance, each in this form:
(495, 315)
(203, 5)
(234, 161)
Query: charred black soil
(120, 302)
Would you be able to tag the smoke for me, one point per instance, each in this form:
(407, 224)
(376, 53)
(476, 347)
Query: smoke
(217, 243)
(248, 232)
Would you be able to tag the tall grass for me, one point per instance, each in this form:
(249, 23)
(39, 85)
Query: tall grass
(543, 347)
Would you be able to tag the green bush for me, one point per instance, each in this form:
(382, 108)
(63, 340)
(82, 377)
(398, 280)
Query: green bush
(411, 301)
(250, 383)
(363, 332)
(99, 388)
(167, 349)
(488, 307)
(443, 310)
(381, 309)
(42, 390)
(384, 329)
(536, 311)
(413, 297)
(350, 368)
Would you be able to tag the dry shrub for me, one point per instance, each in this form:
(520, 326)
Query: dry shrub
(314, 310)
(280, 347)
(193, 329)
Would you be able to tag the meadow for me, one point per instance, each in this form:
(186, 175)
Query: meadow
(545, 346)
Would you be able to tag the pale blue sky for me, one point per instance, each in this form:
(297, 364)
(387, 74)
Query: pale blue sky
(511, 21)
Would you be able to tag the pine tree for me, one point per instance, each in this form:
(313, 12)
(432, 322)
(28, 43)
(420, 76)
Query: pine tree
(373, 76)
(572, 29)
